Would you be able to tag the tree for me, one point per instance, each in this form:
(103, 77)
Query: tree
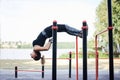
(116, 24)
(102, 22)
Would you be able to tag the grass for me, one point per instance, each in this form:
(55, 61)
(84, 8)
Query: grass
(90, 55)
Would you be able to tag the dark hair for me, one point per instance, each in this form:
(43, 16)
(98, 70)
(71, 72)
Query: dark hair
(38, 55)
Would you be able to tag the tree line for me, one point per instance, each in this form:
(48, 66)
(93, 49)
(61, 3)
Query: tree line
(15, 44)
(101, 24)
(26, 45)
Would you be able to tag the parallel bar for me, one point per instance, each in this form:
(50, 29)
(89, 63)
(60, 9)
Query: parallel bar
(16, 71)
(54, 55)
(111, 63)
(84, 50)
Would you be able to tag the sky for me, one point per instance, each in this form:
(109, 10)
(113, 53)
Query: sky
(23, 20)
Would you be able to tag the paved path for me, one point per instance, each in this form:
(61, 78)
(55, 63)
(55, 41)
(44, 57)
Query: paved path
(61, 75)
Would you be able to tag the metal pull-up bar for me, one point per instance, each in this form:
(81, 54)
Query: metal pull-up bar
(85, 32)
(111, 62)
(54, 51)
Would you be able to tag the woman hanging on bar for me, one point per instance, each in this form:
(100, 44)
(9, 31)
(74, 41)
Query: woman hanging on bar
(38, 43)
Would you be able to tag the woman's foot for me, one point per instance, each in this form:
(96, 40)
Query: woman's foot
(43, 60)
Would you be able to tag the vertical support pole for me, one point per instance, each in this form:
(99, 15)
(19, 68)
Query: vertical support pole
(70, 59)
(76, 58)
(42, 70)
(96, 59)
(54, 55)
(16, 74)
(84, 28)
(111, 63)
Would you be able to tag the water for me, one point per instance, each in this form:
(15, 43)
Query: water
(25, 53)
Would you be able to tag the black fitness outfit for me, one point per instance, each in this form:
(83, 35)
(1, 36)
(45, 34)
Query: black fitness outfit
(47, 33)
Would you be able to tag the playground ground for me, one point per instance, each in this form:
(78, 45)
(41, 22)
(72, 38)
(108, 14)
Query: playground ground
(61, 75)
(62, 72)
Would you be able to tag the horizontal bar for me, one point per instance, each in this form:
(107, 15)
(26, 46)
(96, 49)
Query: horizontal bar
(61, 58)
(29, 70)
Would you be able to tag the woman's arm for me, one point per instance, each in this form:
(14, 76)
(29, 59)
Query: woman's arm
(44, 48)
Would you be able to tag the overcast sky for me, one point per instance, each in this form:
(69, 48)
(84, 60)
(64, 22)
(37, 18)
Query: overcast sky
(23, 20)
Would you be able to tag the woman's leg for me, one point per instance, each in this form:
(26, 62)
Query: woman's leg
(73, 31)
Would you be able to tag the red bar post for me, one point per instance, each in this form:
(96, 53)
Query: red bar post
(96, 51)
(96, 59)
(76, 58)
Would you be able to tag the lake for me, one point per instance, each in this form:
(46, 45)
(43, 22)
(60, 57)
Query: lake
(25, 53)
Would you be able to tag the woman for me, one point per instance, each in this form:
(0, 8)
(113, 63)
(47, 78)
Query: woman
(38, 44)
